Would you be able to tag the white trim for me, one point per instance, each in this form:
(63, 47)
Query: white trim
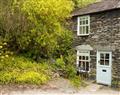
(78, 25)
(87, 17)
(98, 67)
(83, 53)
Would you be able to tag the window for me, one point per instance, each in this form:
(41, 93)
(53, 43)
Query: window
(104, 59)
(83, 27)
(83, 61)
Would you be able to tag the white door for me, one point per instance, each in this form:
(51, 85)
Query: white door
(104, 64)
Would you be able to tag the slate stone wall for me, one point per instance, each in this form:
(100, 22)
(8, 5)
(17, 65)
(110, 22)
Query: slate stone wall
(104, 35)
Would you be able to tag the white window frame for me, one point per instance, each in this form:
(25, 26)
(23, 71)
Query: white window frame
(83, 33)
(83, 53)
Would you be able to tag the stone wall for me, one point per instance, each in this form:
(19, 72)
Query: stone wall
(104, 34)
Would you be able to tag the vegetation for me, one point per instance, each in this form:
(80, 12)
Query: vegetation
(17, 69)
(32, 36)
(83, 3)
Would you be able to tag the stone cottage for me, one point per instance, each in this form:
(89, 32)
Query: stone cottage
(97, 40)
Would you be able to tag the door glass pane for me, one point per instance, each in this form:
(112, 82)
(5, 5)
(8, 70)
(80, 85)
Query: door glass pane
(107, 56)
(102, 56)
(101, 62)
(107, 62)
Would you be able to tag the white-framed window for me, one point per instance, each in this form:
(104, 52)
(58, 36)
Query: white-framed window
(83, 61)
(83, 26)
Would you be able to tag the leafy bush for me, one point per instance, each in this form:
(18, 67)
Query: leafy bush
(8, 77)
(32, 77)
(70, 71)
(22, 70)
(83, 3)
(4, 52)
(76, 81)
(66, 68)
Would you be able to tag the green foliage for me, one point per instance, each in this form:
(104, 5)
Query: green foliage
(7, 77)
(21, 70)
(35, 29)
(60, 64)
(4, 52)
(83, 3)
(65, 40)
(76, 81)
(48, 32)
(32, 77)
(66, 70)
(70, 71)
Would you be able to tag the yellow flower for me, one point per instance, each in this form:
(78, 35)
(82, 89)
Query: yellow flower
(4, 43)
(1, 47)
(2, 57)
(12, 59)
(6, 56)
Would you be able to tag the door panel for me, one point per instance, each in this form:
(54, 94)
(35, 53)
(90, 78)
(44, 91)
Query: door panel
(104, 63)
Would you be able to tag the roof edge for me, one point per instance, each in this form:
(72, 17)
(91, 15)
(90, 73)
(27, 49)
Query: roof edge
(95, 12)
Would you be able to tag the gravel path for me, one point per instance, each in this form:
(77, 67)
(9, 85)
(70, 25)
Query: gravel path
(58, 87)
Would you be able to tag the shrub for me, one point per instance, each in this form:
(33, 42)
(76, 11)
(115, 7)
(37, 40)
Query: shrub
(22, 70)
(32, 77)
(8, 77)
(76, 81)
(70, 71)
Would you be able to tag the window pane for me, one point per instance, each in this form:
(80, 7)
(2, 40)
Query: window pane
(81, 29)
(87, 66)
(101, 62)
(80, 18)
(86, 21)
(87, 58)
(84, 66)
(84, 25)
(83, 18)
(80, 22)
(83, 57)
(87, 29)
(79, 57)
(79, 65)
(84, 30)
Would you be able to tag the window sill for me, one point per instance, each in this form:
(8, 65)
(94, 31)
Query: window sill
(83, 71)
(82, 35)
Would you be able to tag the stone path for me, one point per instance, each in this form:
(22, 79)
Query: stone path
(60, 87)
